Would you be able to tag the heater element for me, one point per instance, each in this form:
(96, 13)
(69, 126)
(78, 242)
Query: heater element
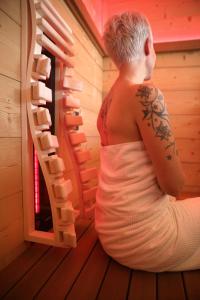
(36, 183)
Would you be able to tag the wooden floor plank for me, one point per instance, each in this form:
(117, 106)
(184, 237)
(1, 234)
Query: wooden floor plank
(16, 270)
(87, 285)
(170, 286)
(39, 274)
(142, 286)
(115, 284)
(192, 284)
(61, 281)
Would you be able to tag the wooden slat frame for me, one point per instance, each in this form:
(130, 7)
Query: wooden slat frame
(52, 238)
(64, 234)
(53, 20)
(55, 50)
(53, 34)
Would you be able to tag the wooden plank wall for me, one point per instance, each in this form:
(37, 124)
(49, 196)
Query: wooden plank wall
(11, 218)
(88, 69)
(177, 74)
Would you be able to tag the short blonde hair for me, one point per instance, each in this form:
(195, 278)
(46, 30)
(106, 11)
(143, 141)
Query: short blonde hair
(124, 36)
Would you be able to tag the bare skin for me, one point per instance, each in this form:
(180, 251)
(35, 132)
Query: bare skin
(133, 111)
(118, 125)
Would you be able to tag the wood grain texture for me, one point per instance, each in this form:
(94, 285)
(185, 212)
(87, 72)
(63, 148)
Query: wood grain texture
(183, 102)
(10, 122)
(89, 70)
(12, 9)
(12, 273)
(191, 125)
(177, 79)
(10, 167)
(10, 150)
(10, 210)
(11, 238)
(11, 218)
(46, 260)
(91, 97)
(188, 150)
(88, 283)
(191, 280)
(192, 172)
(78, 31)
(9, 47)
(66, 273)
(166, 60)
(87, 272)
(11, 181)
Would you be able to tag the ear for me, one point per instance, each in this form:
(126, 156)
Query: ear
(147, 46)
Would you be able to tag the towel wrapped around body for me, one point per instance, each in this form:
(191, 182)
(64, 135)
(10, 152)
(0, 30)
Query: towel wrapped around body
(138, 224)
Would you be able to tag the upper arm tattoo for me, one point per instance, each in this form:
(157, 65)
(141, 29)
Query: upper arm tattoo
(155, 112)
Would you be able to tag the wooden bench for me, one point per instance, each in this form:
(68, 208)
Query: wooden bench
(88, 273)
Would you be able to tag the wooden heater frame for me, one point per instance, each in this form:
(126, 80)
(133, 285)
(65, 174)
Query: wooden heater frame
(42, 26)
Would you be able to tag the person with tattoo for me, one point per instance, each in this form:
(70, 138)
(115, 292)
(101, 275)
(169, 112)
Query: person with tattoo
(138, 219)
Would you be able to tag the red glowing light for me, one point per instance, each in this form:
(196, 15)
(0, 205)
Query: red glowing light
(169, 21)
(36, 184)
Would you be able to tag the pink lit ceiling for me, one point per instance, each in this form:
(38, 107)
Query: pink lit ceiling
(171, 20)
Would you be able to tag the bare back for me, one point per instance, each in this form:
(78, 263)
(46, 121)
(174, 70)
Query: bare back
(115, 121)
(138, 112)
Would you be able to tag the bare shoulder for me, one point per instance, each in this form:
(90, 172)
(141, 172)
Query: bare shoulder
(148, 92)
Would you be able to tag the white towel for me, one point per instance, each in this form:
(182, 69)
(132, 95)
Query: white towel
(138, 224)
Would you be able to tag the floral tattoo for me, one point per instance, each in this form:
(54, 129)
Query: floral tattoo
(156, 113)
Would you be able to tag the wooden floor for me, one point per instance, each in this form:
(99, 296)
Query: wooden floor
(88, 273)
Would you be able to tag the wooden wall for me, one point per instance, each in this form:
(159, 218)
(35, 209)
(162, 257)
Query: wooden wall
(88, 69)
(178, 76)
(11, 217)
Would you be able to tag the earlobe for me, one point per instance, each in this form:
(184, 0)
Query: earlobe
(146, 47)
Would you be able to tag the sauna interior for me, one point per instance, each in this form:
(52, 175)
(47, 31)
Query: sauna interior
(54, 75)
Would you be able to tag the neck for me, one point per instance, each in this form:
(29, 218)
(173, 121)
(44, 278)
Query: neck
(133, 72)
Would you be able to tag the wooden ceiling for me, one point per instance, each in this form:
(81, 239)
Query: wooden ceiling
(175, 23)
